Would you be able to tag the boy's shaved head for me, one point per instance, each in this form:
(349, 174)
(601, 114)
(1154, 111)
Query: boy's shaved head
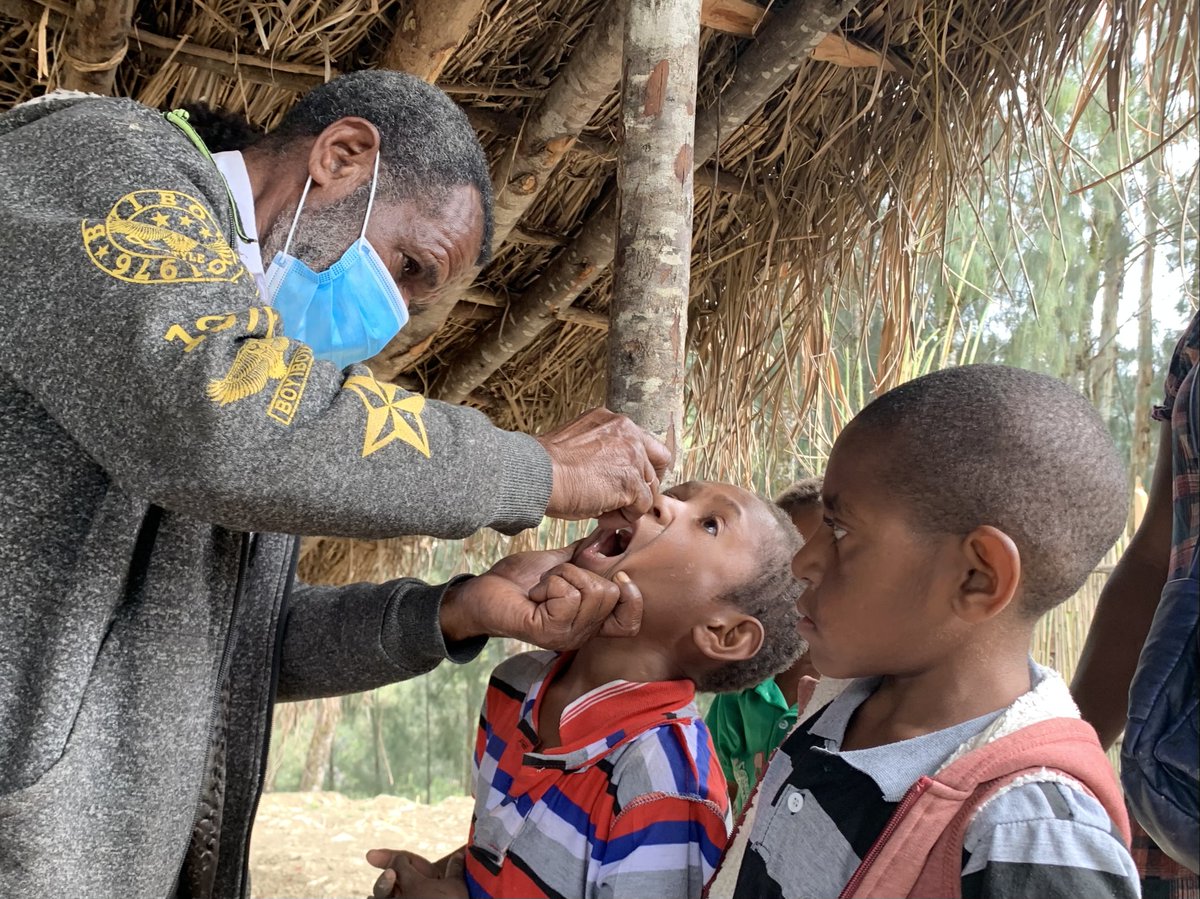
(771, 598)
(1022, 452)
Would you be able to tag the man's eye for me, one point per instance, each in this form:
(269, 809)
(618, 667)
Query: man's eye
(712, 525)
(410, 268)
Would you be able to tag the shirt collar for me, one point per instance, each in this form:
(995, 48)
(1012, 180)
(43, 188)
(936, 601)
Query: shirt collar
(896, 766)
(602, 719)
(232, 167)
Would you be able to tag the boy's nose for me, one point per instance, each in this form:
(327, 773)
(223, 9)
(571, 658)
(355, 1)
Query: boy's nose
(809, 561)
(665, 508)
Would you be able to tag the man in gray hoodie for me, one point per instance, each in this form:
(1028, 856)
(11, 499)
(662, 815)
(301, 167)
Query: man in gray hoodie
(170, 412)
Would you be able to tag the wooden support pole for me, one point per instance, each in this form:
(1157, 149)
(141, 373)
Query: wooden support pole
(428, 34)
(97, 39)
(647, 336)
(770, 61)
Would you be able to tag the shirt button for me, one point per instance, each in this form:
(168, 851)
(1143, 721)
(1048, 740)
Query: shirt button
(783, 725)
(795, 803)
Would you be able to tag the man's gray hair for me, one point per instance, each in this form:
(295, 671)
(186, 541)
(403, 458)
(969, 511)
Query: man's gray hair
(427, 146)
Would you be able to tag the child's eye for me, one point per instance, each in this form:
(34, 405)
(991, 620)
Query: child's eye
(838, 531)
(712, 525)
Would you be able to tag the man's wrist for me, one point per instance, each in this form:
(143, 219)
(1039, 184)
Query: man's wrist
(456, 614)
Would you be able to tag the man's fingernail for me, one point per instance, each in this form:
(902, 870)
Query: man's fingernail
(621, 577)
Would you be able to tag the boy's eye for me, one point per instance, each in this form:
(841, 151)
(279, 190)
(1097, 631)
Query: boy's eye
(838, 531)
(712, 525)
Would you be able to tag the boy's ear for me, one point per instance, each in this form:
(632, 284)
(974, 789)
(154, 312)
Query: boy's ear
(993, 574)
(729, 636)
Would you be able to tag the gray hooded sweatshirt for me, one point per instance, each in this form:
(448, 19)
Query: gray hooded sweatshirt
(158, 436)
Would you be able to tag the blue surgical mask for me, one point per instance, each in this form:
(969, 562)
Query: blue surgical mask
(346, 313)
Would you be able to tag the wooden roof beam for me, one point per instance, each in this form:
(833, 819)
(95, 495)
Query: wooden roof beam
(766, 65)
(589, 78)
(739, 17)
(428, 35)
(745, 19)
(96, 42)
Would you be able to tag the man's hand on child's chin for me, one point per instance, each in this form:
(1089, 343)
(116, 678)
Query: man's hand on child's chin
(580, 603)
(526, 570)
(561, 610)
(411, 875)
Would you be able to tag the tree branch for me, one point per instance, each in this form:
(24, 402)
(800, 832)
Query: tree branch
(428, 35)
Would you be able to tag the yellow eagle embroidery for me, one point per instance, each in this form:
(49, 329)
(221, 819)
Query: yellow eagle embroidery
(258, 361)
(160, 236)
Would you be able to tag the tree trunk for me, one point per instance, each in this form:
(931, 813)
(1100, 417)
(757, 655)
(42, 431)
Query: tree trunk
(428, 747)
(1140, 457)
(1116, 246)
(320, 747)
(647, 338)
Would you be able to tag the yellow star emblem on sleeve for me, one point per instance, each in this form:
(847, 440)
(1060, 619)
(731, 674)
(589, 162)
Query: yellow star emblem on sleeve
(390, 417)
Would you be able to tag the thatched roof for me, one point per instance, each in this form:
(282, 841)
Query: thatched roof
(841, 169)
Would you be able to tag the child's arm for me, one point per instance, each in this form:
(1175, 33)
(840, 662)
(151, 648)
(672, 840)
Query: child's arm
(662, 845)
(1045, 839)
(1126, 608)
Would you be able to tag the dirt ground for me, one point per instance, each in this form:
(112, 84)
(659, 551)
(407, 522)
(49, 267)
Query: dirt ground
(310, 845)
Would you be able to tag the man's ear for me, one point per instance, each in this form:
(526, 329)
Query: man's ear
(729, 636)
(992, 577)
(342, 157)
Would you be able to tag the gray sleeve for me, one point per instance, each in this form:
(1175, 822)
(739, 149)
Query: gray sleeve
(132, 322)
(1046, 838)
(339, 640)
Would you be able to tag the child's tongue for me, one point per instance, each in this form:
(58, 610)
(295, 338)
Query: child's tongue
(598, 555)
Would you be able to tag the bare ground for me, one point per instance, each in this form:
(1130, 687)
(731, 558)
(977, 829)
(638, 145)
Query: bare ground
(310, 845)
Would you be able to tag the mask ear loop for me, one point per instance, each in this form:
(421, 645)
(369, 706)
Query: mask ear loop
(371, 196)
(296, 218)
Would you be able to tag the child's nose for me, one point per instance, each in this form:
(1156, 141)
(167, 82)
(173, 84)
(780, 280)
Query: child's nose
(665, 508)
(809, 561)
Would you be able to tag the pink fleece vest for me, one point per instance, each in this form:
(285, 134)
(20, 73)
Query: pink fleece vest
(919, 852)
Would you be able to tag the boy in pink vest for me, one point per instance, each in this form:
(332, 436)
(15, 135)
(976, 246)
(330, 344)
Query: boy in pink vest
(959, 508)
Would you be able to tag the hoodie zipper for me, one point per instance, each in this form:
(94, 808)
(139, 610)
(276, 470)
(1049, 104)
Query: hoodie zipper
(276, 656)
(910, 798)
(222, 673)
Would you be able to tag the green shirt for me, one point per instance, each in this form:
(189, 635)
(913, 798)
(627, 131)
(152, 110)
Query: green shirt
(746, 727)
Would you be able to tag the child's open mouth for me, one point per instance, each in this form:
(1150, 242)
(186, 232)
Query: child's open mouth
(603, 549)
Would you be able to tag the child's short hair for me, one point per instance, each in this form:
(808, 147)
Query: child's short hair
(800, 495)
(1023, 452)
(770, 597)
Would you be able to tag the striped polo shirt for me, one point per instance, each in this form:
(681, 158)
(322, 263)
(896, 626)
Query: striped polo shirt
(632, 803)
(821, 809)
